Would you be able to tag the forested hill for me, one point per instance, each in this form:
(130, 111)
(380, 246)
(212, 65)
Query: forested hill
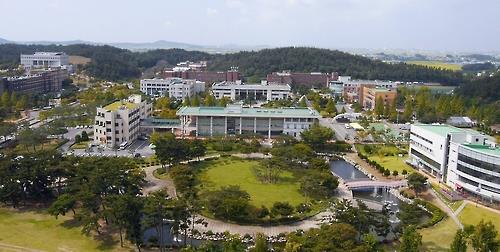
(112, 63)
(305, 59)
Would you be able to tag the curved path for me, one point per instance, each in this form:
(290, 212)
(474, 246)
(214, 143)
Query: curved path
(217, 226)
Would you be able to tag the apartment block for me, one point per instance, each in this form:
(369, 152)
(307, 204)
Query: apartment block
(204, 76)
(260, 92)
(371, 95)
(118, 123)
(172, 87)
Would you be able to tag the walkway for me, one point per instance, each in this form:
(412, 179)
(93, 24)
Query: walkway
(217, 226)
(446, 208)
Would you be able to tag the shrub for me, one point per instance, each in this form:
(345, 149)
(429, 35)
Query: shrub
(303, 208)
(387, 173)
(262, 212)
(281, 209)
(395, 173)
(404, 172)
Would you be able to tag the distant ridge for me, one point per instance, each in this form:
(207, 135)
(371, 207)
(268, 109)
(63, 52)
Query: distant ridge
(146, 46)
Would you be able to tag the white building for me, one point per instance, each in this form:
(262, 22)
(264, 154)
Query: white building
(465, 160)
(45, 60)
(172, 87)
(260, 92)
(237, 120)
(118, 123)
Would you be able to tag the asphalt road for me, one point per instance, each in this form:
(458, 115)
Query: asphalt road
(341, 133)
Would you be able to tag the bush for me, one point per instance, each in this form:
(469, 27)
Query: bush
(303, 208)
(262, 212)
(404, 172)
(85, 136)
(282, 209)
(387, 173)
(395, 173)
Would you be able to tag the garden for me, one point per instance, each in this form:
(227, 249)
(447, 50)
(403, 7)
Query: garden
(389, 157)
(256, 191)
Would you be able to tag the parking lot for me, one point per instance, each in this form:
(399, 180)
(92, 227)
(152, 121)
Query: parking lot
(139, 147)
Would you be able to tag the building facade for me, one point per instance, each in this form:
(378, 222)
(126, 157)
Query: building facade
(118, 123)
(373, 94)
(172, 87)
(237, 91)
(236, 120)
(353, 89)
(49, 81)
(204, 76)
(45, 60)
(308, 80)
(464, 159)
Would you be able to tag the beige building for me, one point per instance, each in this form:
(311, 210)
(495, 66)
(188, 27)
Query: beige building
(372, 94)
(117, 124)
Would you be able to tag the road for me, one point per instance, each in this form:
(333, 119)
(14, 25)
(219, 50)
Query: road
(341, 133)
(70, 135)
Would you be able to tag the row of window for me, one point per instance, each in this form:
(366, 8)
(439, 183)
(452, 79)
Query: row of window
(421, 137)
(428, 160)
(478, 174)
(479, 163)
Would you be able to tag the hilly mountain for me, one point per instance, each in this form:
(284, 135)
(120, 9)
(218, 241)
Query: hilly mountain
(112, 63)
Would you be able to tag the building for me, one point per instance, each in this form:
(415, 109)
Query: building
(204, 76)
(308, 80)
(118, 123)
(188, 65)
(237, 120)
(45, 60)
(172, 87)
(42, 82)
(353, 89)
(464, 159)
(373, 94)
(260, 92)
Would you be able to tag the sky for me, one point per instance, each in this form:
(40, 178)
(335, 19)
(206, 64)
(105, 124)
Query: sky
(434, 25)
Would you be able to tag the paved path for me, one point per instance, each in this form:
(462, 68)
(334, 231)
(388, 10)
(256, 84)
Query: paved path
(9, 247)
(447, 209)
(217, 226)
(460, 208)
(375, 183)
(155, 184)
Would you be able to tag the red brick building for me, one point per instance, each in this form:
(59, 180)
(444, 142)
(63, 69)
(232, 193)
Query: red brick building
(302, 79)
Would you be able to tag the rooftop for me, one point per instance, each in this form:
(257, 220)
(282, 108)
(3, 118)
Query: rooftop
(119, 104)
(485, 149)
(249, 112)
(442, 130)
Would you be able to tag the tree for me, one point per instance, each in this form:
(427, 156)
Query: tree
(395, 173)
(379, 106)
(197, 149)
(171, 151)
(62, 205)
(5, 99)
(459, 243)
(6, 128)
(195, 102)
(126, 214)
(260, 243)
(484, 237)
(317, 136)
(411, 240)
(408, 112)
(209, 101)
(330, 107)
(230, 202)
(157, 208)
(417, 182)
(282, 209)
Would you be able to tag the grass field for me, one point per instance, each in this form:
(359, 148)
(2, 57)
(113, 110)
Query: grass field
(393, 163)
(44, 232)
(224, 172)
(472, 215)
(78, 60)
(438, 238)
(80, 145)
(436, 64)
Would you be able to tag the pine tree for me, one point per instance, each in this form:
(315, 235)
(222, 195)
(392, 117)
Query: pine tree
(408, 113)
(379, 106)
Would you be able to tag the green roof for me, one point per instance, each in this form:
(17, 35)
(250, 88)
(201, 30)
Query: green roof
(249, 112)
(116, 105)
(442, 130)
(484, 149)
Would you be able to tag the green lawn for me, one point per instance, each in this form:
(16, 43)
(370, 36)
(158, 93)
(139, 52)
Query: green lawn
(44, 232)
(436, 64)
(393, 163)
(224, 172)
(439, 237)
(80, 145)
(472, 215)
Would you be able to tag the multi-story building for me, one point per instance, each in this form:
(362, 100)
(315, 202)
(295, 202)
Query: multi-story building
(371, 95)
(48, 81)
(260, 92)
(308, 80)
(172, 87)
(45, 60)
(118, 123)
(205, 76)
(464, 159)
(237, 120)
(353, 89)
